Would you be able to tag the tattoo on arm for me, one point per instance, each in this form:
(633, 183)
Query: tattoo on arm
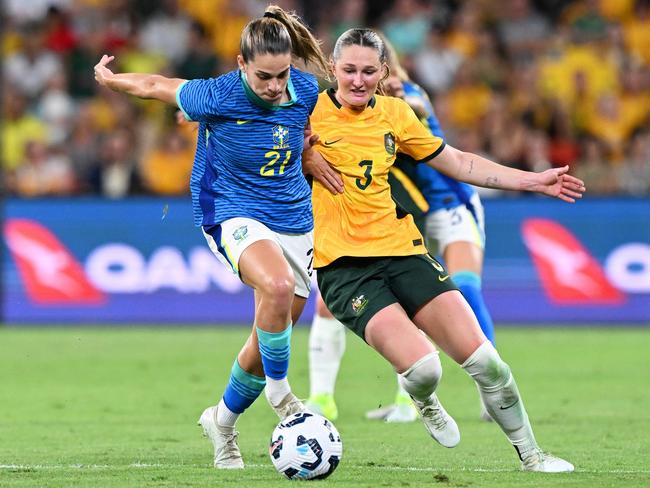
(471, 166)
(492, 182)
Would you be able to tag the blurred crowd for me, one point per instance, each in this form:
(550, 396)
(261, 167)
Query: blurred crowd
(531, 84)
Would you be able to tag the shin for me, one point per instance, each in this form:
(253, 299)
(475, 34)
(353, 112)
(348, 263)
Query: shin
(501, 396)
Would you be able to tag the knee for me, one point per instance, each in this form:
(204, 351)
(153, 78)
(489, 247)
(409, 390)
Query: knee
(487, 368)
(279, 289)
(422, 378)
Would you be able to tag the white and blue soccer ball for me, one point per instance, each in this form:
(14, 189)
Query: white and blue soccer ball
(306, 446)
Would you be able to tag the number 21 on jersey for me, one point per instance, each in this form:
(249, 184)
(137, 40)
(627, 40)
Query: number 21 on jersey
(273, 157)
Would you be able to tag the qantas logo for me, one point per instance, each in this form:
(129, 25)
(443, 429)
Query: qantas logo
(569, 274)
(50, 272)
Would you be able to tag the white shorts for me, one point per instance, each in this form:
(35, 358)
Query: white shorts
(455, 224)
(229, 239)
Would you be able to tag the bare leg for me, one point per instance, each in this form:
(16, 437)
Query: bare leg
(415, 358)
(448, 320)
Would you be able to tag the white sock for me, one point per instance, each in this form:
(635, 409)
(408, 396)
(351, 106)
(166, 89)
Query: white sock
(276, 390)
(501, 396)
(225, 416)
(422, 378)
(326, 348)
(401, 394)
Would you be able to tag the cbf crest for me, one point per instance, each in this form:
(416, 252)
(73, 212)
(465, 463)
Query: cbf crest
(389, 143)
(280, 137)
(240, 233)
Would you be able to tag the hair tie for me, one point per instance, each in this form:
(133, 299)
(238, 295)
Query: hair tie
(272, 16)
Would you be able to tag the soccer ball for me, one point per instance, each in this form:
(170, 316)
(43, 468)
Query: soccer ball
(306, 446)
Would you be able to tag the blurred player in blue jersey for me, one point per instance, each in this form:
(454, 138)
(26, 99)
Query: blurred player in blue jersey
(250, 198)
(449, 214)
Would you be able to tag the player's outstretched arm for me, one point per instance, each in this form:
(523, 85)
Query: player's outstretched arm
(477, 170)
(140, 85)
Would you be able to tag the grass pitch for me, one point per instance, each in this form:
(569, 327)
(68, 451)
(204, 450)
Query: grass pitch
(118, 407)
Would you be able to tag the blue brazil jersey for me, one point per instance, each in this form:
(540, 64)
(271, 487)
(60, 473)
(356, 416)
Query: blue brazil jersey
(439, 190)
(247, 161)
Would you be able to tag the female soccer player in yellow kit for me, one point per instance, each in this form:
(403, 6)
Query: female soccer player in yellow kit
(373, 270)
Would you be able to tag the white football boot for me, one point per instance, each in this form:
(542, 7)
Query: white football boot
(224, 440)
(439, 423)
(398, 413)
(289, 405)
(536, 460)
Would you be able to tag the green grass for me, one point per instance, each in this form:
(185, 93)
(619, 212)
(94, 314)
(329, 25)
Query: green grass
(118, 407)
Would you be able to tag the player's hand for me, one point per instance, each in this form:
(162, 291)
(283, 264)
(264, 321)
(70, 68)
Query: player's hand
(310, 137)
(314, 164)
(394, 87)
(555, 182)
(102, 73)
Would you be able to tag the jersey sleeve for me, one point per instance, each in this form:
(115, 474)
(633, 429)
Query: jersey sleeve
(308, 87)
(199, 100)
(312, 95)
(413, 138)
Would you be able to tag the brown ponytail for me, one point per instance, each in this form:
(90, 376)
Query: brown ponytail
(279, 32)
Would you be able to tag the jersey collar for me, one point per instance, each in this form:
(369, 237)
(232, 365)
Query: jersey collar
(257, 100)
(332, 94)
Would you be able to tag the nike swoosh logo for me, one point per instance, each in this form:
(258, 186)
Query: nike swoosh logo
(329, 143)
(443, 278)
(242, 122)
(509, 406)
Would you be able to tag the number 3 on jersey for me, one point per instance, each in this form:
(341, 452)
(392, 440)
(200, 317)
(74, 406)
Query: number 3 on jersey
(274, 156)
(362, 184)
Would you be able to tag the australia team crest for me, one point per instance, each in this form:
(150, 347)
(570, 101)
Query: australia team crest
(359, 304)
(389, 143)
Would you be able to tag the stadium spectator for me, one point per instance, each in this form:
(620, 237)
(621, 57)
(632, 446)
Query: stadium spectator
(637, 32)
(59, 34)
(18, 128)
(634, 174)
(594, 169)
(436, 64)
(406, 24)
(349, 13)
(469, 97)
(592, 49)
(522, 30)
(115, 174)
(44, 172)
(83, 144)
(167, 168)
(199, 60)
(30, 69)
(167, 32)
(57, 108)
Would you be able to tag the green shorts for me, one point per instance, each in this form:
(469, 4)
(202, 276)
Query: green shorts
(355, 289)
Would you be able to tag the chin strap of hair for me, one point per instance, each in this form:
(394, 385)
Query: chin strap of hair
(272, 16)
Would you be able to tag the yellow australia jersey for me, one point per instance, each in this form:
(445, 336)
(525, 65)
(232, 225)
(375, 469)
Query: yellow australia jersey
(362, 221)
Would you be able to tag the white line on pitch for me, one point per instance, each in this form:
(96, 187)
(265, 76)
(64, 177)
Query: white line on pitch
(18, 467)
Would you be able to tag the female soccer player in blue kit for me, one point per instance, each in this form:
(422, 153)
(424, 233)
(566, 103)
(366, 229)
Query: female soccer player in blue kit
(250, 198)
